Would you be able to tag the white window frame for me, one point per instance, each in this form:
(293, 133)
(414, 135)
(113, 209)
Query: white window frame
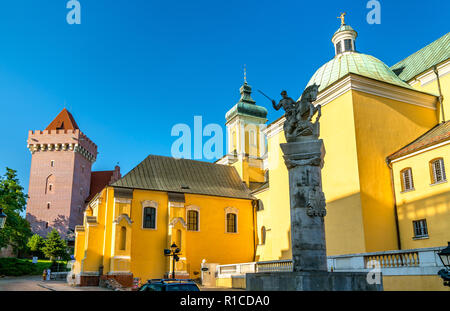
(411, 180)
(232, 210)
(423, 226)
(441, 171)
(153, 204)
(193, 208)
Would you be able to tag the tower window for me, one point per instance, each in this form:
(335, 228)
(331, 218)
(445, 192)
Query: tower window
(192, 219)
(52, 163)
(420, 228)
(407, 179)
(437, 171)
(48, 205)
(231, 223)
(347, 45)
(338, 48)
(46, 225)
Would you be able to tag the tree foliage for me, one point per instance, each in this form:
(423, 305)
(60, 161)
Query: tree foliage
(55, 246)
(35, 244)
(13, 201)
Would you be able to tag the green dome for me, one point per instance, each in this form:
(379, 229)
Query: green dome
(344, 28)
(246, 105)
(357, 63)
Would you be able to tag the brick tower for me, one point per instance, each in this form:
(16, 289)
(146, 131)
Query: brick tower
(60, 176)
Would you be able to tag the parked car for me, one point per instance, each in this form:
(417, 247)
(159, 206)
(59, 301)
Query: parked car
(166, 285)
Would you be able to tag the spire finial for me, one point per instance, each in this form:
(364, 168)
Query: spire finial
(342, 17)
(245, 73)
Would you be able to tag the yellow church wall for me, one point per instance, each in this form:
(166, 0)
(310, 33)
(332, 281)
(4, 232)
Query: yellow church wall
(263, 218)
(147, 245)
(212, 242)
(414, 283)
(344, 230)
(427, 201)
(433, 88)
(383, 126)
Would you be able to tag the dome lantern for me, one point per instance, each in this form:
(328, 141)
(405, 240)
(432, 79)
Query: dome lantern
(344, 38)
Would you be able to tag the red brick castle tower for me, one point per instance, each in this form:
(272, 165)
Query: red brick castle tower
(60, 177)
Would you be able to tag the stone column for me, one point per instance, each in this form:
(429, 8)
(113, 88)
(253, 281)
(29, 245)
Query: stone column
(304, 160)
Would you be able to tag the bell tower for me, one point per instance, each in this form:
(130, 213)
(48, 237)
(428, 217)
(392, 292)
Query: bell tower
(246, 142)
(60, 175)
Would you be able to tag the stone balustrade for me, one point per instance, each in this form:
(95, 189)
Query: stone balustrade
(424, 261)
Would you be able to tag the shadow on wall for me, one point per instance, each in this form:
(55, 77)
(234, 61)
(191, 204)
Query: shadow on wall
(40, 227)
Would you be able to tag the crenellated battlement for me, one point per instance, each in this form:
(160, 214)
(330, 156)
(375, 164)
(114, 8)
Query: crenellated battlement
(62, 140)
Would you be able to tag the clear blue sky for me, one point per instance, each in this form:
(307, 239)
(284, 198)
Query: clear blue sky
(135, 68)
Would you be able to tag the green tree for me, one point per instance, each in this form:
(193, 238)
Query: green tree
(54, 246)
(13, 201)
(35, 244)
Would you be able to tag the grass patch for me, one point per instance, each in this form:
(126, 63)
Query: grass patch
(19, 267)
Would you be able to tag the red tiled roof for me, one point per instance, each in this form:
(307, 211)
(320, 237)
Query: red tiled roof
(437, 134)
(63, 121)
(99, 180)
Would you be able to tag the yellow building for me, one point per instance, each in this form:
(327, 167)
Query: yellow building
(369, 112)
(203, 208)
(387, 146)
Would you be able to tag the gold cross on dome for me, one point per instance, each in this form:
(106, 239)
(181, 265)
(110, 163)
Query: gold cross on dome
(342, 17)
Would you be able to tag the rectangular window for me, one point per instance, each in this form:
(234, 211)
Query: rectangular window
(149, 220)
(231, 223)
(420, 228)
(192, 218)
(338, 48)
(347, 45)
(52, 163)
(438, 170)
(407, 179)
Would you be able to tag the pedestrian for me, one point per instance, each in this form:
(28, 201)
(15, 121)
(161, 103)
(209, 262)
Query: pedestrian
(48, 274)
(44, 275)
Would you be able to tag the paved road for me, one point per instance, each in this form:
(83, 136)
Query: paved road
(35, 283)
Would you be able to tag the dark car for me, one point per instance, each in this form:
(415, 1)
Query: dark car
(166, 285)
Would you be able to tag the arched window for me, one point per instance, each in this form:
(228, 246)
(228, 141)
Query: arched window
(192, 220)
(231, 223)
(149, 219)
(437, 171)
(407, 179)
(263, 235)
(123, 238)
(48, 205)
(49, 184)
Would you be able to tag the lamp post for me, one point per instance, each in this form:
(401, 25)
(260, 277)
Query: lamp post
(174, 251)
(2, 218)
(444, 255)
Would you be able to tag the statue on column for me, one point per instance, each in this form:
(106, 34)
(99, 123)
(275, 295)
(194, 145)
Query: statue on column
(298, 124)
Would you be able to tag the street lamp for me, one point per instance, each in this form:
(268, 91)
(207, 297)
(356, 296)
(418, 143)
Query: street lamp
(174, 251)
(2, 218)
(444, 255)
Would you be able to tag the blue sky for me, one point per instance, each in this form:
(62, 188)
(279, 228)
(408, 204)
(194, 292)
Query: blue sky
(135, 68)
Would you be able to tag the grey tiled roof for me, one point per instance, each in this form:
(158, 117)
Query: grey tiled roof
(185, 176)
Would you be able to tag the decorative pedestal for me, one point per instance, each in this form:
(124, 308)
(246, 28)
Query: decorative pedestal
(310, 281)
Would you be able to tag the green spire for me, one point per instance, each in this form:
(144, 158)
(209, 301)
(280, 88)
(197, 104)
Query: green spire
(246, 105)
